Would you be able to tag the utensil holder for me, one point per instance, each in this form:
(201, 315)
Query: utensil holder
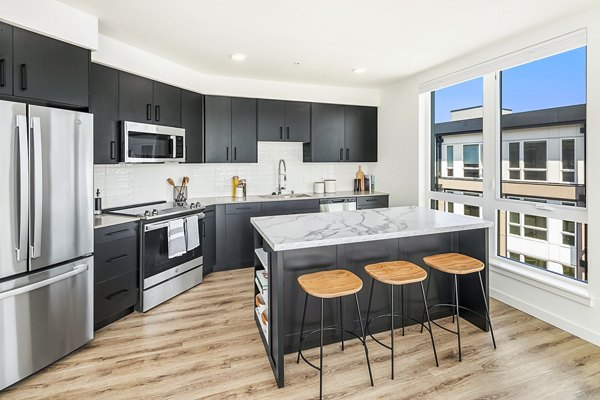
(180, 195)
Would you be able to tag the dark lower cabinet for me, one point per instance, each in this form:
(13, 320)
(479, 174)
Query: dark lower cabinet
(49, 70)
(167, 104)
(6, 59)
(116, 273)
(136, 96)
(192, 121)
(104, 104)
(367, 202)
(209, 236)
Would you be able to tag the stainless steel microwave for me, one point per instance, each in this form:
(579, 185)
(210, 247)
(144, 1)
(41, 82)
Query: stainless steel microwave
(146, 143)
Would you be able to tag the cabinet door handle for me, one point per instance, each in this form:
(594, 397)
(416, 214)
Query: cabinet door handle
(281, 132)
(116, 232)
(2, 72)
(113, 150)
(149, 112)
(227, 153)
(342, 154)
(347, 154)
(120, 292)
(288, 132)
(117, 258)
(203, 228)
(157, 113)
(235, 153)
(23, 76)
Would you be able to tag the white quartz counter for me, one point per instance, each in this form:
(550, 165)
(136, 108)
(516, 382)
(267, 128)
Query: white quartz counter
(288, 232)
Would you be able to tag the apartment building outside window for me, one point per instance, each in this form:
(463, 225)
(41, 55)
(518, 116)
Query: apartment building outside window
(541, 152)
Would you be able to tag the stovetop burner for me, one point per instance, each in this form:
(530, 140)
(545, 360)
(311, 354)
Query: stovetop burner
(157, 210)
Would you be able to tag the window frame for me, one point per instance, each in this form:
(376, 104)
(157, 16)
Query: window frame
(525, 170)
(562, 168)
(491, 200)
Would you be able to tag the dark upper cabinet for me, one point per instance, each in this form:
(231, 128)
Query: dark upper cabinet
(192, 122)
(327, 134)
(217, 129)
(271, 119)
(167, 105)
(229, 129)
(360, 133)
(283, 120)
(6, 59)
(342, 133)
(49, 70)
(243, 130)
(136, 95)
(104, 104)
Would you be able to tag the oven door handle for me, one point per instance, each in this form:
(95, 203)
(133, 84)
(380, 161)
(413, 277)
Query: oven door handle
(165, 224)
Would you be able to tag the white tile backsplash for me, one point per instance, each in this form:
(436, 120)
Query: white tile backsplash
(124, 184)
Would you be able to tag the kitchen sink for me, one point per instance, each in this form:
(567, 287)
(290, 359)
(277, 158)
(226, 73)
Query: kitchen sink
(285, 196)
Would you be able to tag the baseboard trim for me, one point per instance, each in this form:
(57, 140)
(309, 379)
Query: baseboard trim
(546, 316)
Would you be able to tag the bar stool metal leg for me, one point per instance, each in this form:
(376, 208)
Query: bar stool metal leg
(363, 331)
(402, 307)
(368, 310)
(487, 311)
(392, 326)
(457, 316)
(302, 327)
(321, 357)
(341, 324)
(453, 303)
(437, 364)
(426, 297)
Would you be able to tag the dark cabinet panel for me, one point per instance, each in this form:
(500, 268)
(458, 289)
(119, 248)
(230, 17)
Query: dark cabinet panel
(327, 134)
(50, 70)
(271, 120)
(217, 129)
(209, 247)
(239, 240)
(243, 130)
(366, 202)
(104, 104)
(135, 98)
(360, 133)
(167, 105)
(297, 121)
(6, 59)
(192, 121)
(113, 297)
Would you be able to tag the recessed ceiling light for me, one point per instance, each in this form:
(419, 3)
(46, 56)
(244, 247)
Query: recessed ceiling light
(297, 63)
(359, 70)
(238, 57)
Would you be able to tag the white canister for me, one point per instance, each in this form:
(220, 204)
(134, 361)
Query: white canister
(319, 187)
(329, 185)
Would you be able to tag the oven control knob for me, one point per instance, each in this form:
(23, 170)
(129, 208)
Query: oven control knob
(197, 204)
(147, 213)
(155, 212)
(192, 206)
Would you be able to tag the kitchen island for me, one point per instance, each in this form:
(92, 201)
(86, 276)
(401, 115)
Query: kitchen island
(288, 246)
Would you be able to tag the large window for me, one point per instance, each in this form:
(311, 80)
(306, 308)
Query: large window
(534, 187)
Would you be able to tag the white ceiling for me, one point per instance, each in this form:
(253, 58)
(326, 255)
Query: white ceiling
(391, 38)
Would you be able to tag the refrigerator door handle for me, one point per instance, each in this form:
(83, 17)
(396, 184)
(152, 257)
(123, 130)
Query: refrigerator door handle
(36, 242)
(37, 285)
(21, 250)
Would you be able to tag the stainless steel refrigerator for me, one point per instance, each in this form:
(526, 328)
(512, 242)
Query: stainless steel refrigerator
(46, 236)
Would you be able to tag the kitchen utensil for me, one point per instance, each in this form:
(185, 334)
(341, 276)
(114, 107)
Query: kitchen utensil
(357, 185)
(329, 185)
(319, 187)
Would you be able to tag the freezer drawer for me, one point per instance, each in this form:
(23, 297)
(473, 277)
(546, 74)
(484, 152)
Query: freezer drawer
(43, 317)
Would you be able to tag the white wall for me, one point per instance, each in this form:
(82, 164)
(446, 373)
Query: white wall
(54, 19)
(400, 145)
(124, 184)
(120, 55)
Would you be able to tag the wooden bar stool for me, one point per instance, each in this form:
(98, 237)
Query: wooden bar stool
(330, 285)
(397, 273)
(458, 264)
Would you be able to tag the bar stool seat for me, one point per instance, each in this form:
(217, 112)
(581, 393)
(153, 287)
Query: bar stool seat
(330, 284)
(454, 263)
(396, 272)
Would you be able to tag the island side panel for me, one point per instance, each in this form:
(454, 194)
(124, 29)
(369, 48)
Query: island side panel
(474, 243)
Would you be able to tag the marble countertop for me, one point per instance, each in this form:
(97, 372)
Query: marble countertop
(104, 220)
(288, 232)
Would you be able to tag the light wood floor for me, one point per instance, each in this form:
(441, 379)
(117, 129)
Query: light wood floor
(204, 344)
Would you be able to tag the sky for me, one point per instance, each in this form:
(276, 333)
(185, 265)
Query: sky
(555, 81)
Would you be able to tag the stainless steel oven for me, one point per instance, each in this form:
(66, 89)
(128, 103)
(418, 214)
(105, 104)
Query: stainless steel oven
(163, 277)
(146, 143)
